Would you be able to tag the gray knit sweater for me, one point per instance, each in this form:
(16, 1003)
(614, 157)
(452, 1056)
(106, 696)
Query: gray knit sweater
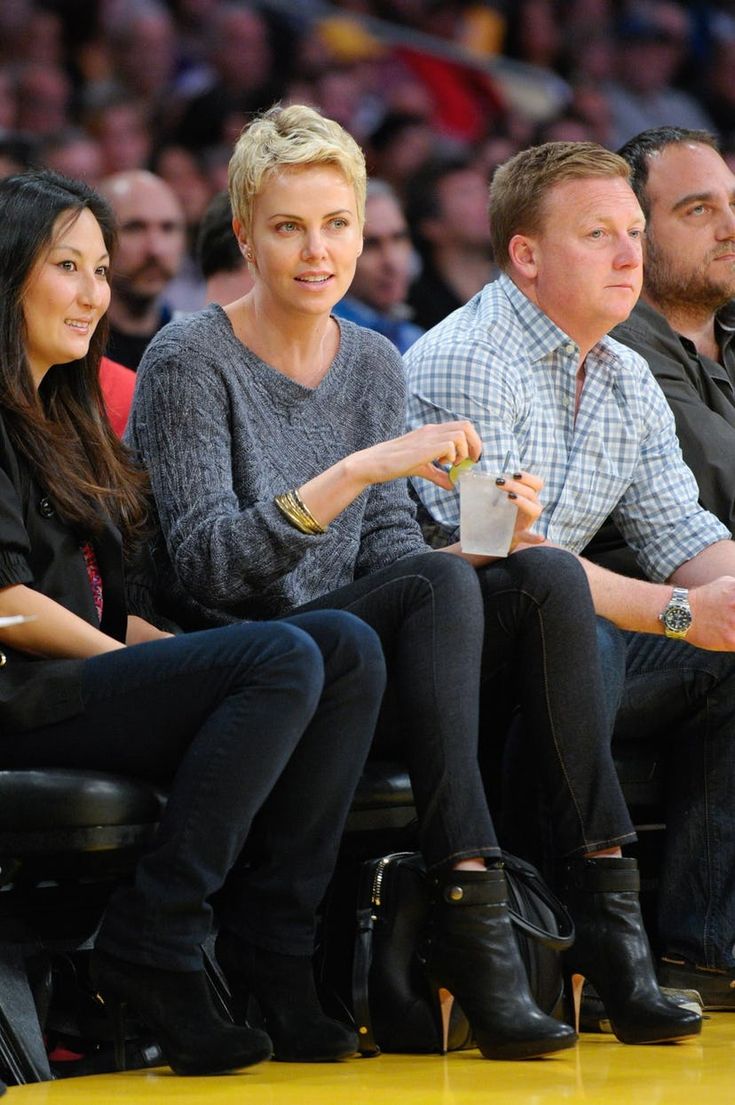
(222, 433)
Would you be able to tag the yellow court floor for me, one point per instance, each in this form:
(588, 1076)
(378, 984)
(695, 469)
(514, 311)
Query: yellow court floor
(599, 1071)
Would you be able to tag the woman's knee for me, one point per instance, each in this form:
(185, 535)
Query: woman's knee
(448, 574)
(347, 643)
(276, 652)
(447, 586)
(453, 581)
(547, 572)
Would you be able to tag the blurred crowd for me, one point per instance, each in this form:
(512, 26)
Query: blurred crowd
(438, 92)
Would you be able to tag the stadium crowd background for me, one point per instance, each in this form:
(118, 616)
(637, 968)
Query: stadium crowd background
(93, 87)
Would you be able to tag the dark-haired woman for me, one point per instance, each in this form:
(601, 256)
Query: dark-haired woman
(259, 730)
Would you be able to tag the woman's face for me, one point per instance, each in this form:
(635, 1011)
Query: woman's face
(305, 238)
(66, 294)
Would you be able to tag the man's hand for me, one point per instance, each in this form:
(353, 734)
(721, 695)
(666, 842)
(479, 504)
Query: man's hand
(713, 615)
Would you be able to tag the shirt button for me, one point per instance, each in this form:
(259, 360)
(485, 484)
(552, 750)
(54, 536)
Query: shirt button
(570, 347)
(45, 509)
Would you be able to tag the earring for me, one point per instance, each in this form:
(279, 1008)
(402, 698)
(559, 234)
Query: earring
(249, 254)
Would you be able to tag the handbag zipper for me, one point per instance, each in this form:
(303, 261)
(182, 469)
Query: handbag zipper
(379, 875)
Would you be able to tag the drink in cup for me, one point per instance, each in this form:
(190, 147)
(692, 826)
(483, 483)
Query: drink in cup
(486, 515)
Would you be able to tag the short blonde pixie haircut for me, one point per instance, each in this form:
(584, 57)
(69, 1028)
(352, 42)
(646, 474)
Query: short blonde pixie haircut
(520, 186)
(281, 138)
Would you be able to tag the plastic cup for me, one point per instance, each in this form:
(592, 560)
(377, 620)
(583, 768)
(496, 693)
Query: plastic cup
(487, 516)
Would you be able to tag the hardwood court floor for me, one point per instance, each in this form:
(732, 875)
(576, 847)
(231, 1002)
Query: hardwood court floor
(598, 1072)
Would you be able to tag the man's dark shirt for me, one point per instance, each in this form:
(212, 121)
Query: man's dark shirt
(701, 393)
(431, 298)
(128, 349)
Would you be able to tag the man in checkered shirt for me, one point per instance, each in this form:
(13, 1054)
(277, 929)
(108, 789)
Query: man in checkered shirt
(527, 360)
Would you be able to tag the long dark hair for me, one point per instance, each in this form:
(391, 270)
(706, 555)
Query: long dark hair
(61, 428)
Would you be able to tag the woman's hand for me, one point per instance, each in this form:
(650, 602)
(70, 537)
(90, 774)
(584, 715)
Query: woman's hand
(139, 631)
(524, 491)
(417, 454)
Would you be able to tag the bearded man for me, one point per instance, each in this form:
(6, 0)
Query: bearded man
(684, 322)
(151, 243)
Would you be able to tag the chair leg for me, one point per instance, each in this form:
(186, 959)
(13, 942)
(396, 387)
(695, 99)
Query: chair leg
(22, 1050)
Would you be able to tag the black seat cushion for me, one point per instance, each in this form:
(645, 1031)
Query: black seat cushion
(383, 784)
(48, 798)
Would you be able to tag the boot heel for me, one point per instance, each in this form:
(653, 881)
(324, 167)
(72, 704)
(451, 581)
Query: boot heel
(178, 1009)
(442, 1005)
(243, 1009)
(611, 949)
(446, 1001)
(116, 1012)
(474, 956)
(573, 987)
(284, 991)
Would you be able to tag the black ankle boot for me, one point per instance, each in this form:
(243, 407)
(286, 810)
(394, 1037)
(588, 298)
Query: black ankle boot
(283, 986)
(177, 1007)
(611, 950)
(473, 954)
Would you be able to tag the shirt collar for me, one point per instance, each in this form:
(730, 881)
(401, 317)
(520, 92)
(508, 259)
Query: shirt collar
(725, 320)
(651, 320)
(724, 332)
(654, 322)
(544, 336)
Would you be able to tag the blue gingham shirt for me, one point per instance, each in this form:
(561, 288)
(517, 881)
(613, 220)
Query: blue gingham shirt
(500, 362)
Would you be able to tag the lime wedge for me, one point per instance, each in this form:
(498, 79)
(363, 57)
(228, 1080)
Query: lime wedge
(458, 470)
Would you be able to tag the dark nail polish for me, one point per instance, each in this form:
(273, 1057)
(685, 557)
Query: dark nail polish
(500, 481)
(517, 475)
(512, 495)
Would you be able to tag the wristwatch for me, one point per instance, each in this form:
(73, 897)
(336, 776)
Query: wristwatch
(677, 614)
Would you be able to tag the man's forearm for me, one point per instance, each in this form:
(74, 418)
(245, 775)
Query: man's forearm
(712, 563)
(633, 604)
(636, 604)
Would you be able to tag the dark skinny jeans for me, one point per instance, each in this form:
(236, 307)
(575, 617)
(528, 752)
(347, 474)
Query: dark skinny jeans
(541, 654)
(683, 698)
(427, 612)
(536, 645)
(261, 731)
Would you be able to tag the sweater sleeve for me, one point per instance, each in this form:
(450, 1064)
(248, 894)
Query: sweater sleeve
(223, 549)
(390, 530)
(142, 589)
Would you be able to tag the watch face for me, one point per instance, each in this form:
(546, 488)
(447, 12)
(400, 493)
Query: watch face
(677, 618)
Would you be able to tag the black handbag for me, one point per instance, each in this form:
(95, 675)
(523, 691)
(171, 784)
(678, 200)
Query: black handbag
(391, 999)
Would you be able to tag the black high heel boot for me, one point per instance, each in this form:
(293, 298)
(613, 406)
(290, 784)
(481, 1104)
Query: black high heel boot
(284, 988)
(611, 949)
(473, 954)
(177, 1007)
